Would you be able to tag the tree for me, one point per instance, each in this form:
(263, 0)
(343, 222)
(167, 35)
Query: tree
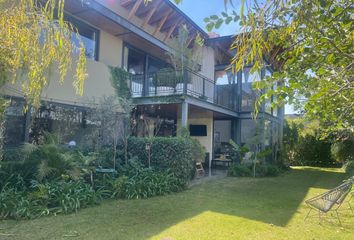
(255, 143)
(311, 44)
(119, 81)
(108, 119)
(184, 57)
(34, 38)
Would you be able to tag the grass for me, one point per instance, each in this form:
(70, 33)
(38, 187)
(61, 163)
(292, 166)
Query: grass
(229, 208)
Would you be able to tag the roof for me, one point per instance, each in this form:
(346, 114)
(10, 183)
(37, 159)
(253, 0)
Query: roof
(163, 15)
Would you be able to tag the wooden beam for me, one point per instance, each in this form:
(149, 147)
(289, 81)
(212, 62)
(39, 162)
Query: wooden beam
(162, 22)
(143, 11)
(134, 9)
(159, 15)
(171, 22)
(151, 13)
(125, 3)
(168, 34)
(191, 39)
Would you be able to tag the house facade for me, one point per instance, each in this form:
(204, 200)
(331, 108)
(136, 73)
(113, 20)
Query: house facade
(215, 104)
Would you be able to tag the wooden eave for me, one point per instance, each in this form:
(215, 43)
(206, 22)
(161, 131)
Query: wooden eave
(163, 16)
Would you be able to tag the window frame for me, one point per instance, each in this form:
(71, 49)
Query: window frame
(77, 23)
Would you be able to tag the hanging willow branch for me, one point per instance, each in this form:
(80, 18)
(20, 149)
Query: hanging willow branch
(34, 40)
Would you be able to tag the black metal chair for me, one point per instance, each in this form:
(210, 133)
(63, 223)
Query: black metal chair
(330, 200)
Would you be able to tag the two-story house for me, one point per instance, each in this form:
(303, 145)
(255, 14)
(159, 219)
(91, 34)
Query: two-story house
(215, 104)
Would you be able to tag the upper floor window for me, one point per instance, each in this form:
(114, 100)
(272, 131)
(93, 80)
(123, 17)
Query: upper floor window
(225, 89)
(138, 62)
(249, 95)
(88, 35)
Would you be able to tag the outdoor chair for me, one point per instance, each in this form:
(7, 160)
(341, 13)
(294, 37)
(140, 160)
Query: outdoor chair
(330, 200)
(199, 169)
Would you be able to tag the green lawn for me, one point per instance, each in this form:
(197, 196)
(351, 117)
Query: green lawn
(229, 208)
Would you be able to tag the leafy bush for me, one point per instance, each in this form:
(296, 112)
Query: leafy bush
(175, 153)
(343, 151)
(17, 204)
(236, 152)
(43, 162)
(168, 77)
(349, 167)
(65, 196)
(262, 170)
(311, 151)
(239, 170)
(136, 182)
(148, 183)
(54, 197)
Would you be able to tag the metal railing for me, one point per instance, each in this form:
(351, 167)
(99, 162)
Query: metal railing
(172, 82)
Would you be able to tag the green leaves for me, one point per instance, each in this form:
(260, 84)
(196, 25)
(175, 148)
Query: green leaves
(35, 37)
(215, 21)
(313, 54)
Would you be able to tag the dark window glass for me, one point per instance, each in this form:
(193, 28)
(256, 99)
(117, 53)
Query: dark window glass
(225, 88)
(88, 35)
(155, 65)
(136, 62)
(249, 95)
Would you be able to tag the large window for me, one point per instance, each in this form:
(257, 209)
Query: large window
(249, 95)
(225, 89)
(268, 102)
(142, 66)
(136, 62)
(248, 130)
(88, 35)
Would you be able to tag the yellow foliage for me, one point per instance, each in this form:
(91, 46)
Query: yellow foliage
(34, 38)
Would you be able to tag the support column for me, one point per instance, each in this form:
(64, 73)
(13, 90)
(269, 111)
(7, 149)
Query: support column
(236, 130)
(184, 121)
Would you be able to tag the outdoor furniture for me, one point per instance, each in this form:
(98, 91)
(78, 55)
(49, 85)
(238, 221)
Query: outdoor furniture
(224, 159)
(199, 169)
(330, 200)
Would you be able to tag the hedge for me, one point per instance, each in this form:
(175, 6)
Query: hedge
(174, 153)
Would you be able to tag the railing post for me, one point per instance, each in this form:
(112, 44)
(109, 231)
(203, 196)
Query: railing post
(203, 87)
(185, 80)
(145, 85)
(155, 77)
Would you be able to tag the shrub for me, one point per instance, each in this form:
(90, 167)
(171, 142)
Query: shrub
(175, 153)
(17, 204)
(349, 167)
(312, 151)
(65, 196)
(43, 162)
(343, 151)
(239, 170)
(148, 183)
(262, 170)
(273, 171)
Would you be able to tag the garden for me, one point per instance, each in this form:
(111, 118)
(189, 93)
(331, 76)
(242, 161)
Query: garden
(48, 179)
(228, 208)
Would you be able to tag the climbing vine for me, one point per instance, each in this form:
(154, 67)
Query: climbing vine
(119, 80)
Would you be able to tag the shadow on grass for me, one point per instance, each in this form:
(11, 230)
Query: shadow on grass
(268, 200)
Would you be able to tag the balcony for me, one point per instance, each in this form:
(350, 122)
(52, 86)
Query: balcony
(173, 82)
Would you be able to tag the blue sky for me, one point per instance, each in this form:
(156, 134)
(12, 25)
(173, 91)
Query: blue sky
(197, 10)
